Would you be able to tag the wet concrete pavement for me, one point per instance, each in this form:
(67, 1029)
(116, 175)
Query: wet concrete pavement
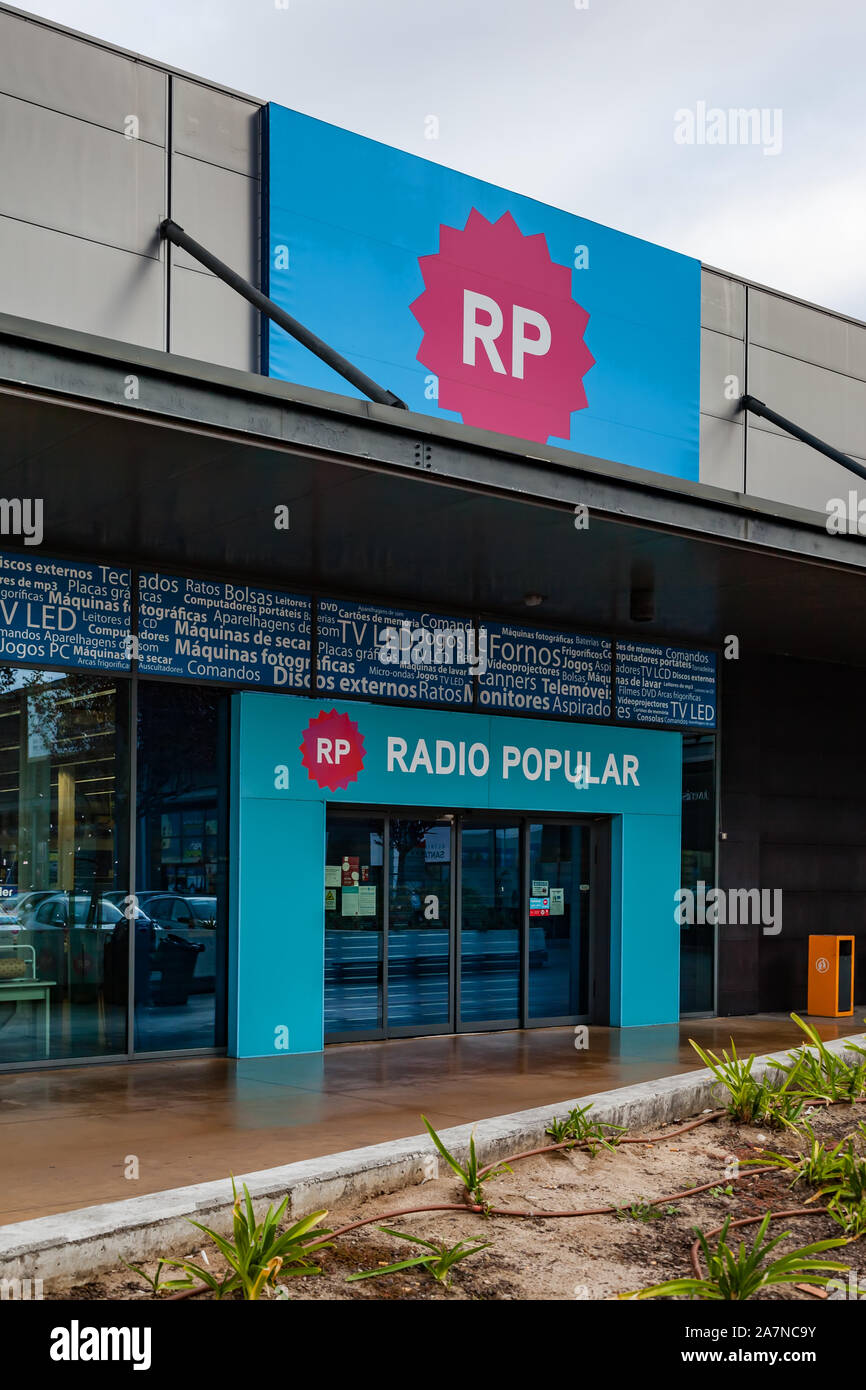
(68, 1137)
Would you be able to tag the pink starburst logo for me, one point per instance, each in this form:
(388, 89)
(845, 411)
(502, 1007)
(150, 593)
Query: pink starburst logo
(332, 749)
(501, 330)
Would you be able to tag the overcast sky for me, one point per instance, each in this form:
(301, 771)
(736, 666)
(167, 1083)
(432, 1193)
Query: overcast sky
(575, 106)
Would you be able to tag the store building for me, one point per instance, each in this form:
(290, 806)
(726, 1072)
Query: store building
(411, 701)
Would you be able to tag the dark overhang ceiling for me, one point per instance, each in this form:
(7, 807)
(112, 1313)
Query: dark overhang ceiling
(133, 490)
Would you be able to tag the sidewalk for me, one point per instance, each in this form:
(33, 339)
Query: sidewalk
(67, 1136)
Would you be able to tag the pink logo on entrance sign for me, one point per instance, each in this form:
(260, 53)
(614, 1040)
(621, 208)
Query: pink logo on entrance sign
(333, 750)
(502, 331)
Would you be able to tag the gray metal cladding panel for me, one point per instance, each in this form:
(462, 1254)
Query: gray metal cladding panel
(826, 403)
(64, 280)
(215, 127)
(723, 304)
(810, 334)
(722, 358)
(721, 454)
(79, 178)
(221, 210)
(82, 79)
(212, 323)
(784, 470)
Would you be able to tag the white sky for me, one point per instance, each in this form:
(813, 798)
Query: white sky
(573, 106)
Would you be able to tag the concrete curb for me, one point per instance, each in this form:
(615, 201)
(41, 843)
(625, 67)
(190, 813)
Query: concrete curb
(79, 1244)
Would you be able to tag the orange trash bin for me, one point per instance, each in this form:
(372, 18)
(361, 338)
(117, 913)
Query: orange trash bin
(831, 976)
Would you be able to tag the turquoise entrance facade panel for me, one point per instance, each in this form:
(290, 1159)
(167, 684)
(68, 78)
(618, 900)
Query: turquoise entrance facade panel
(291, 756)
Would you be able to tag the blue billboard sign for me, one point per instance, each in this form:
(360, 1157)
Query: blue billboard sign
(665, 685)
(368, 651)
(65, 613)
(538, 671)
(205, 629)
(479, 305)
(76, 615)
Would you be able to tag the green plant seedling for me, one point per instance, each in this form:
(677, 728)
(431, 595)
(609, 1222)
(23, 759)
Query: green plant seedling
(777, 1107)
(850, 1184)
(740, 1274)
(851, 1216)
(219, 1287)
(157, 1284)
(594, 1134)
(257, 1252)
(470, 1173)
(750, 1100)
(734, 1074)
(822, 1073)
(439, 1261)
(642, 1210)
(722, 1191)
(559, 1131)
(816, 1166)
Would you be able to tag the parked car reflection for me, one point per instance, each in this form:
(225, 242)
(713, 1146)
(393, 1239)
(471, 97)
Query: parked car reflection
(70, 911)
(9, 928)
(68, 932)
(24, 905)
(191, 919)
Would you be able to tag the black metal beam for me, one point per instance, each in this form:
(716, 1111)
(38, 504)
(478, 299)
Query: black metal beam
(172, 231)
(758, 408)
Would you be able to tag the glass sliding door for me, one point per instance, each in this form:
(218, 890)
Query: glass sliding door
(490, 924)
(559, 920)
(436, 922)
(354, 937)
(419, 924)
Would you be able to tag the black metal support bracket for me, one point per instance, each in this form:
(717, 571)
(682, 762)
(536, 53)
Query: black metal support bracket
(758, 408)
(173, 232)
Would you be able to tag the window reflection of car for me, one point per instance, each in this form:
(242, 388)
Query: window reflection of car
(9, 929)
(120, 899)
(192, 919)
(24, 905)
(69, 932)
(54, 911)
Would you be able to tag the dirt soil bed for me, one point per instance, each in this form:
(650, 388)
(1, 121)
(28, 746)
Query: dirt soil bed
(590, 1257)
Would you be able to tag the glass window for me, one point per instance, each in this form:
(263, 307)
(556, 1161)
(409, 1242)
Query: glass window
(353, 924)
(490, 924)
(697, 940)
(182, 782)
(559, 922)
(419, 923)
(64, 843)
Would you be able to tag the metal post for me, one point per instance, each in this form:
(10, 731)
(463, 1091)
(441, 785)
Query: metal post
(173, 232)
(758, 408)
